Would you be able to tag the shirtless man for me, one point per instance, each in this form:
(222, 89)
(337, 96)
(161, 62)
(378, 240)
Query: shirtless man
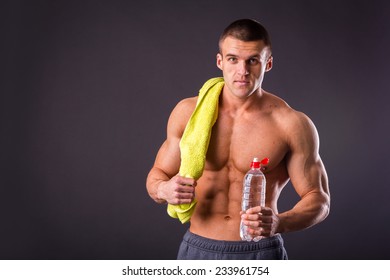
(251, 123)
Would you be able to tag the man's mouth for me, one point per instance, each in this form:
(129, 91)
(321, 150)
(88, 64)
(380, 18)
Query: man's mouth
(241, 82)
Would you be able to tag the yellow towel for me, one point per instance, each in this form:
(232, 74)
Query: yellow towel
(195, 141)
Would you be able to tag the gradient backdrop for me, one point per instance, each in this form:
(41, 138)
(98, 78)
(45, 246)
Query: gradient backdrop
(87, 88)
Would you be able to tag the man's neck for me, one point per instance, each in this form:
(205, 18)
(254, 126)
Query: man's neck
(236, 105)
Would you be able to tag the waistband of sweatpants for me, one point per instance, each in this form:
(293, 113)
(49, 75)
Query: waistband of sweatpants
(192, 239)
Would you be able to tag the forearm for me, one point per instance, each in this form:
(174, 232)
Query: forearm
(310, 210)
(155, 179)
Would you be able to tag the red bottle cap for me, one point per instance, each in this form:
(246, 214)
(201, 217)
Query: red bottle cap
(255, 163)
(264, 161)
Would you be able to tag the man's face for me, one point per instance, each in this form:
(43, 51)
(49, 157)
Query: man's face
(243, 65)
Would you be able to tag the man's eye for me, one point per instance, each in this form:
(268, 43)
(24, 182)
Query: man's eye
(253, 61)
(232, 59)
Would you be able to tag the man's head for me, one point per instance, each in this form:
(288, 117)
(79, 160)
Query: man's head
(246, 30)
(244, 57)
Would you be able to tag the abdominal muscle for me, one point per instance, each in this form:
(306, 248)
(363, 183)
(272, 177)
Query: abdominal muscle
(217, 213)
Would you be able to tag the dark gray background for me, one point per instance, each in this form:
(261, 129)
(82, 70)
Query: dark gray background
(87, 87)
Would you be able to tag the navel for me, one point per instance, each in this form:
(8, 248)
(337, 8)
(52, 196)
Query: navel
(227, 218)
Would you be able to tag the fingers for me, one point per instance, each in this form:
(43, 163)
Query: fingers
(254, 210)
(256, 228)
(264, 211)
(183, 191)
(257, 217)
(259, 220)
(183, 181)
(185, 187)
(256, 213)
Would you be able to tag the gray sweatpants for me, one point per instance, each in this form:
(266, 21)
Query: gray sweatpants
(195, 247)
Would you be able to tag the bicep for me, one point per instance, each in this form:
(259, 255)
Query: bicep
(305, 167)
(168, 156)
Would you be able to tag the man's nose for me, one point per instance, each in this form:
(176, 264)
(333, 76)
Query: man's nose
(243, 68)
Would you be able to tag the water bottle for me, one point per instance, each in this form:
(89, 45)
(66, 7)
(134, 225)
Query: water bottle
(253, 194)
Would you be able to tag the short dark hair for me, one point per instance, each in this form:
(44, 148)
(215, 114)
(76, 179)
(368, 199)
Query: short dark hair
(246, 30)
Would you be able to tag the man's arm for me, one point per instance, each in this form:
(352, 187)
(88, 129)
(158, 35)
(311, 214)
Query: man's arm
(308, 176)
(163, 184)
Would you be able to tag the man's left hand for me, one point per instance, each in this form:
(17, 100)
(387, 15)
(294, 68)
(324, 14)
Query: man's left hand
(260, 221)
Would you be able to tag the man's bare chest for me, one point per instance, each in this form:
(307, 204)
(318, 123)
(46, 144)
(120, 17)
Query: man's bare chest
(235, 142)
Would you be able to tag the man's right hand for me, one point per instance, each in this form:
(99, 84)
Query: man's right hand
(178, 190)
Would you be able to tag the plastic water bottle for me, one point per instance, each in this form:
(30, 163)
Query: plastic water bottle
(253, 194)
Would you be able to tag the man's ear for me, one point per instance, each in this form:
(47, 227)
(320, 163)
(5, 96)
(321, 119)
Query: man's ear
(269, 64)
(219, 60)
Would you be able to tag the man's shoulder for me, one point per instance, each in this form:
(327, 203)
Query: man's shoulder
(278, 107)
(286, 116)
(188, 103)
(182, 113)
(184, 108)
(275, 102)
